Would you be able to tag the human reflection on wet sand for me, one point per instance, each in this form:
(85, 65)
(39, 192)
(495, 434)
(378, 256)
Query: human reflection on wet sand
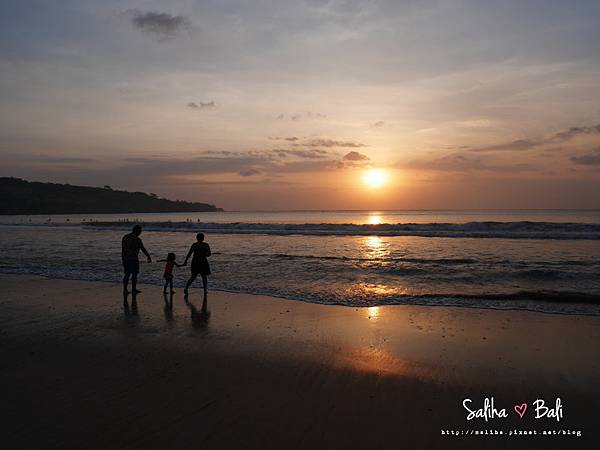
(131, 318)
(168, 309)
(199, 317)
(133, 311)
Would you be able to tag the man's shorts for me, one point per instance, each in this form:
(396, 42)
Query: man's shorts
(131, 266)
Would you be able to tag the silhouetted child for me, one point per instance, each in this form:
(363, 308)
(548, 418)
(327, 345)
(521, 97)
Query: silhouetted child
(170, 263)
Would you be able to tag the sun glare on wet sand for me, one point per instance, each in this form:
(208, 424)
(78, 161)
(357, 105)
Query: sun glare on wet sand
(375, 178)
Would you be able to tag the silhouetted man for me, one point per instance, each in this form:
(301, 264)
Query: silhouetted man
(130, 249)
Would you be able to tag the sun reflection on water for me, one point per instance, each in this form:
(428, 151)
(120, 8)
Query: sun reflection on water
(373, 312)
(374, 359)
(374, 242)
(375, 248)
(380, 290)
(369, 293)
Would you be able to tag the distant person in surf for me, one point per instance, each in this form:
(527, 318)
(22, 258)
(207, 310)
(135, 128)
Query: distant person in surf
(168, 275)
(131, 244)
(200, 266)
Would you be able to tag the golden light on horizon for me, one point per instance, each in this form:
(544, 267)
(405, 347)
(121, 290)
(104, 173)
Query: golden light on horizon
(375, 219)
(375, 178)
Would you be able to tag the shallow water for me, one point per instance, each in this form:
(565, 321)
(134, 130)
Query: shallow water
(552, 275)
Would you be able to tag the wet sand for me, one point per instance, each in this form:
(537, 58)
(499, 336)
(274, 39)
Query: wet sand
(81, 370)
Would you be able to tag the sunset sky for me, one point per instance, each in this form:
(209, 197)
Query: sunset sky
(288, 104)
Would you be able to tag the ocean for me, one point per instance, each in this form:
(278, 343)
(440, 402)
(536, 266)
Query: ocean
(540, 260)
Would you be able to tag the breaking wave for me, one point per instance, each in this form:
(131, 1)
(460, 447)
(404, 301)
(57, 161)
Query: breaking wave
(506, 230)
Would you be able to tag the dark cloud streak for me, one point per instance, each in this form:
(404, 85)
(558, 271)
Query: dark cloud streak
(589, 159)
(331, 143)
(249, 172)
(162, 25)
(355, 156)
(526, 144)
(305, 154)
(462, 163)
(200, 105)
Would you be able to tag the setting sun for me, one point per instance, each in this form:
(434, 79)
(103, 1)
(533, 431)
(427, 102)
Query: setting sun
(375, 178)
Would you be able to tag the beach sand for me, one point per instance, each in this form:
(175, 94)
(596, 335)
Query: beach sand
(252, 372)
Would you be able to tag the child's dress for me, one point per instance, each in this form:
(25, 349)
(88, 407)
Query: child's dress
(169, 270)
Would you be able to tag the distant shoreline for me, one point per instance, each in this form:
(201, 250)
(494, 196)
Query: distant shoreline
(22, 197)
(44, 214)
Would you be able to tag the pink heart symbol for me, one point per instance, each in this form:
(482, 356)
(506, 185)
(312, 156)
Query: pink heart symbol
(520, 409)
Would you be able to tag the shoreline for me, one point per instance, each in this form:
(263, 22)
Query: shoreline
(427, 304)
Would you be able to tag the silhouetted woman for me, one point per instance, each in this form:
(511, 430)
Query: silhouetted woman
(200, 266)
